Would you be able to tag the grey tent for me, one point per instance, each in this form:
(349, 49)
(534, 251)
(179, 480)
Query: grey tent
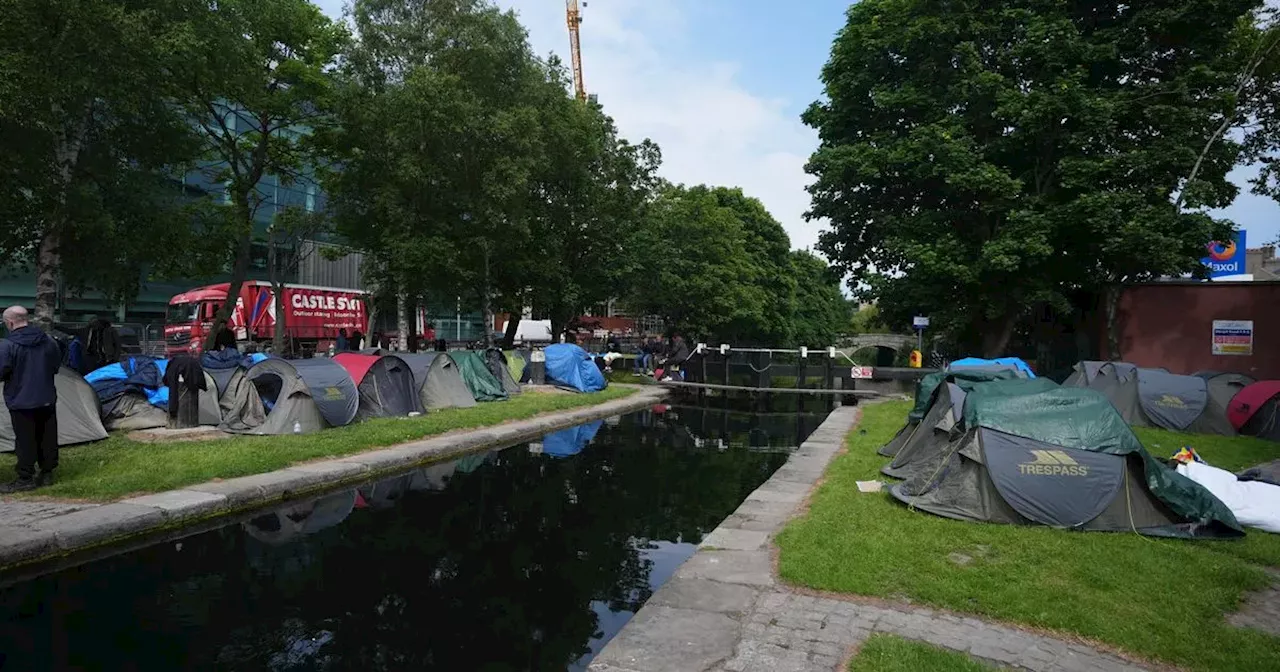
(79, 418)
(922, 453)
(1083, 373)
(1063, 458)
(1224, 386)
(438, 381)
(497, 363)
(279, 394)
(1157, 398)
(132, 410)
(385, 385)
(928, 384)
(298, 520)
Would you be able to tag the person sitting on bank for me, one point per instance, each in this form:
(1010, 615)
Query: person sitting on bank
(29, 360)
(679, 355)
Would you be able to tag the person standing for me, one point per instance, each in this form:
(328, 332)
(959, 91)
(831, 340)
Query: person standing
(29, 360)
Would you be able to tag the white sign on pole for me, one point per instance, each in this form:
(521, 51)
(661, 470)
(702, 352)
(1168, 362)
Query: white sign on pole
(1233, 337)
(860, 373)
(919, 322)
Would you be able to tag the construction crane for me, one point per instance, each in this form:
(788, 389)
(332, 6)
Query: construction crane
(573, 16)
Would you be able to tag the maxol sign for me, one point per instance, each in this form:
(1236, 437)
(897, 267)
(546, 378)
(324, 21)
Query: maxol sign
(1226, 258)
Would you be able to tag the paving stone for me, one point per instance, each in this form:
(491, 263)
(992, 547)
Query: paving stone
(263, 488)
(21, 544)
(88, 527)
(664, 639)
(744, 567)
(732, 539)
(768, 524)
(334, 469)
(177, 504)
(18, 512)
(704, 595)
(761, 509)
(764, 494)
(756, 656)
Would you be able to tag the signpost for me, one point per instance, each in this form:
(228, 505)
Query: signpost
(920, 323)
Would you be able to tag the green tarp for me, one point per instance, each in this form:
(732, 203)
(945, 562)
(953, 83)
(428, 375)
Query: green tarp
(483, 385)
(965, 378)
(1083, 419)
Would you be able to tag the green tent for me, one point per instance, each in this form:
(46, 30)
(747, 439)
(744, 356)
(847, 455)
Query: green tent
(482, 383)
(926, 388)
(515, 364)
(1064, 458)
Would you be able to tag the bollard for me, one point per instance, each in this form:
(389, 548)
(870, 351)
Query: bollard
(538, 367)
(184, 407)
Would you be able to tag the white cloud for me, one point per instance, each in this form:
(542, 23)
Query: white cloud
(711, 127)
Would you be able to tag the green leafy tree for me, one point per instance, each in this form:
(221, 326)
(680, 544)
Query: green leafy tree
(88, 131)
(977, 159)
(1259, 45)
(258, 83)
(819, 312)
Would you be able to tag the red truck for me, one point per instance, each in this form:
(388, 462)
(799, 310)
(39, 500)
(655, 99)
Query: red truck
(314, 315)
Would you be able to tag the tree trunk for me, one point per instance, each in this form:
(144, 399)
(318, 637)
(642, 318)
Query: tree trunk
(239, 271)
(487, 301)
(1112, 298)
(509, 336)
(996, 335)
(402, 322)
(48, 268)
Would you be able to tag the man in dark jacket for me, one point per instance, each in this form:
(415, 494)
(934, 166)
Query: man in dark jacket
(29, 360)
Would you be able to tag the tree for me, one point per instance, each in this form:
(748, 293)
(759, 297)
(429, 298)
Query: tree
(819, 312)
(88, 130)
(978, 159)
(1260, 100)
(257, 83)
(287, 247)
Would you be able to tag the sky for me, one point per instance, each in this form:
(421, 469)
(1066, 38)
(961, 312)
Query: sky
(720, 86)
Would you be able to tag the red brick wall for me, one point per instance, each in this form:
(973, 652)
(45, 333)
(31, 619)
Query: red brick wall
(1171, 325)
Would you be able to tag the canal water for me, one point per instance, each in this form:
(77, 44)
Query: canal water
(527, 558)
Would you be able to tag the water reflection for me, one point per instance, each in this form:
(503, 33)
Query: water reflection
(524, 559)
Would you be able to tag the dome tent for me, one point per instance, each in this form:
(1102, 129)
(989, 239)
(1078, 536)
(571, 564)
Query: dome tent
(1063, 458)
(1255, 410)
(1223, 387)
(79, 419)
(385, 385)
(278, 393)
(1157, 398)
(475, 371)
(572, 368)
(438, 380)
(133, 396)
(498, 365)
(924, 396)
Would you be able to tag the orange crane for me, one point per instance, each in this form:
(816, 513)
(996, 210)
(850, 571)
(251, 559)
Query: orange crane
(574, 17)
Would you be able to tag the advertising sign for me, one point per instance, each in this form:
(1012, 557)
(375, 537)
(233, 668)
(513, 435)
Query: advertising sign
(860, 373)
(1226, 258)
(1233, 337)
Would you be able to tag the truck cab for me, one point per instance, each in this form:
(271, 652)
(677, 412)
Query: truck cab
(189, 319)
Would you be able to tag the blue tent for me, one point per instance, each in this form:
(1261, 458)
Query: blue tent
(568, 442)
(976, 362)
(572, 367)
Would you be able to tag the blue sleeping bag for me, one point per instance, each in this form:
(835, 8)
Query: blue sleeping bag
(571, 367)
(974, 362)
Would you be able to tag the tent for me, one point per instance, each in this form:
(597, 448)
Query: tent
(78, 413)
(385, 385)
(571, 367)
(438, 380)
(278, 394)
(1083, 374)
(979, 363)
(1255, 410)
(571, 441)
(483, 386)
(1223, 387)
(1063, 458)
(922, 452)
(1157, 398)
(516, 363)
(132, 395)
(925, 389)
(496, 361)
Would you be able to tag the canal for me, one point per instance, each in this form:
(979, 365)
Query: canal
(527, 558)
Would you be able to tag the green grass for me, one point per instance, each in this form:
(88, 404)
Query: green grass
(118, 467)
(887, 653)
(1163, 599)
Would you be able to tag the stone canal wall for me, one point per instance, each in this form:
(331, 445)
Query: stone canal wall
(35, 532)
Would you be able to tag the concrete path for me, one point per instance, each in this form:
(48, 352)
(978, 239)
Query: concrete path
(34, 531)
(724, 610)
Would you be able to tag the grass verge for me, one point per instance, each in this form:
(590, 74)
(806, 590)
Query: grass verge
(118, 467)
(1163, 599)
(887, 653)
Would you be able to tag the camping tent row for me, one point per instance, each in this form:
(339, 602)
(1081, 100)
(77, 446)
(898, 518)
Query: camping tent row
(1026, 451)
(1157, 398)
(260, 395)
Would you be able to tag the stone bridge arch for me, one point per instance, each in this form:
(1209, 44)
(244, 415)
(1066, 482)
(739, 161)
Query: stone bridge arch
(888, 346)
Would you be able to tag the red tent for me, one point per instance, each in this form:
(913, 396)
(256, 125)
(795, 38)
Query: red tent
(357, 365)
(385, 383)
(1250, 400)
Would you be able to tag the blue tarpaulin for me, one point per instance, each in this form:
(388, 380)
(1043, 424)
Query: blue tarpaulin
(133, 374)
(973, 362)
(567, 442)
(572, 367)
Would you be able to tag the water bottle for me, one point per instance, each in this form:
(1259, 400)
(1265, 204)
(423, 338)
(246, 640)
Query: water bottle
(297, 427)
